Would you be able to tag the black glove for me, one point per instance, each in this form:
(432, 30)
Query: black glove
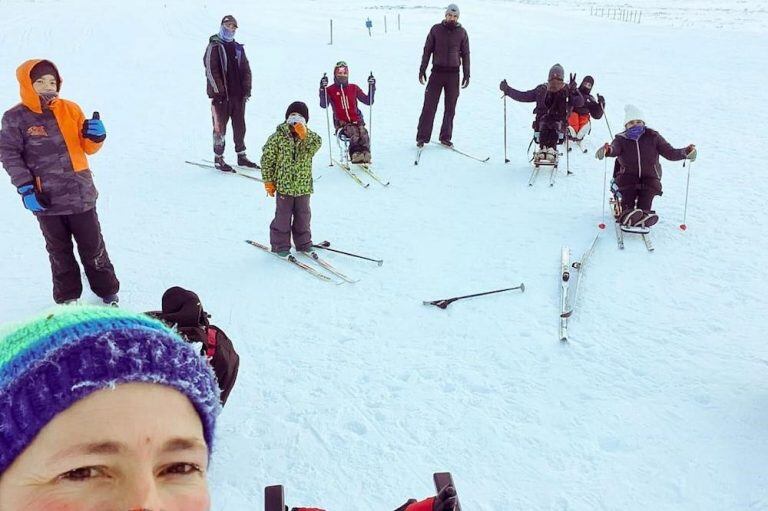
(218, 99)
(371, 80)
(446, 500)
(572, 83)
(503, 85)
(246, 98)
(601, 101)
(465, 82)
(323, 82)
(422, 77)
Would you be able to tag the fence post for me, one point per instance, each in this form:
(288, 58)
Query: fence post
(331, 32)
(398, 22)
(385, 23)
(639, 17)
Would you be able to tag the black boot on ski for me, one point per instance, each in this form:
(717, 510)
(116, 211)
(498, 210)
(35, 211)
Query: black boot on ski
(420, 144)
(447, 143)
(649, 220)
(223, 166)
(632, 217)
(243, 161)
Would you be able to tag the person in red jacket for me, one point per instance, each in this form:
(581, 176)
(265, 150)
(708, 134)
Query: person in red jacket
(347, 117)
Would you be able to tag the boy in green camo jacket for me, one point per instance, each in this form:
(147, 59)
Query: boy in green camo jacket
(286, 166)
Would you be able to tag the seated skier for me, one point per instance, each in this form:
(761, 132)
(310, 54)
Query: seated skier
(637, 171)
(579, 124)
(347, 118)
(553, 103)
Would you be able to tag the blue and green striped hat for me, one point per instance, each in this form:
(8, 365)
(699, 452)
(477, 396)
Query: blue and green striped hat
(53, 361)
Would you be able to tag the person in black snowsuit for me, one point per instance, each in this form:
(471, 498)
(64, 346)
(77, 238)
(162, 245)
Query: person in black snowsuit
(448, 46)
(579, 122)
(228, 76)
(637, 171)
(554, 101)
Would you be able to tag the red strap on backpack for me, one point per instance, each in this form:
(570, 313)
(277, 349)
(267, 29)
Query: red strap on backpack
(210, 348)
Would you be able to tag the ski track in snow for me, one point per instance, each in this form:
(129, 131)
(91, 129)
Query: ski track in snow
(352, 395)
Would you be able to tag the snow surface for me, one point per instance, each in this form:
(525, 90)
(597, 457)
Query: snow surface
(353, 395)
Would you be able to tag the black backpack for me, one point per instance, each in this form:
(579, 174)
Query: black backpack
(183, 311)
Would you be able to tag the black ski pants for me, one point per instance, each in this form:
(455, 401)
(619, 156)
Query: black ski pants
(437, 83)
(636, 192)
(221, 112)
(58, 231)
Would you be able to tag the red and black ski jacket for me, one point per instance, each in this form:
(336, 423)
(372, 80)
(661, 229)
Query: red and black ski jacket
(343, 100)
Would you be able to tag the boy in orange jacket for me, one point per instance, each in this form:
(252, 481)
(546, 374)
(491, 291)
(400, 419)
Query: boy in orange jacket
(43, 146)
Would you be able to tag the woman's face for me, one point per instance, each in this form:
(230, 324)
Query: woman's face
(137, 447)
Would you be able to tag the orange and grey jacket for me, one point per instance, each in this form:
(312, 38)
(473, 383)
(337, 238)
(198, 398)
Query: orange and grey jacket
(45, 146)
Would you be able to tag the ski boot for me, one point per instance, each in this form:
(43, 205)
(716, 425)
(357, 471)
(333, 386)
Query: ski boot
(223, 166)
(447, 143)
(357, 157)
(649, 219)
(632, 218)
(420, 143)
(110, 300)
(243, 161)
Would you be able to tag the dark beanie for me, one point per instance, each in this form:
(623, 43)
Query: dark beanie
(43, 68)
(556, 72)
(587, 80)
(299, 108)
(228, 18)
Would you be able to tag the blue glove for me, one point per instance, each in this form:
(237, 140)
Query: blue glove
(93, 129)
(33, 201)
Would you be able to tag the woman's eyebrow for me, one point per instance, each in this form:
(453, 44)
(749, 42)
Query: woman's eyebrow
(90, 448)
(184, 444)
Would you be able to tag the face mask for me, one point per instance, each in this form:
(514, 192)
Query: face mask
(341, 80)
(226, 34)
(47, 97)
(635, 132)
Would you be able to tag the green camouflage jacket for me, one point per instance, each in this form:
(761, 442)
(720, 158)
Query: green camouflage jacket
(287, 161)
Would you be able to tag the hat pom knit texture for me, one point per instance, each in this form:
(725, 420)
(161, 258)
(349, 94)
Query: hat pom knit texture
(51, 362)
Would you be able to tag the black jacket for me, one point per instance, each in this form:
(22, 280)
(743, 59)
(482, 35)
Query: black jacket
(448, 45)
(216, 64)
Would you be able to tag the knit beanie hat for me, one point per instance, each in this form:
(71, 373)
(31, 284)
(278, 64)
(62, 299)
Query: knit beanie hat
(452, 9)
(556, 72)
(42, 68)
(50, 363)
(299, 108)
(632, 113)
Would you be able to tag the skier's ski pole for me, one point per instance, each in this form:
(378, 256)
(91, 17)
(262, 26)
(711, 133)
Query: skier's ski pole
(328, 125)
(370, 111)
(607, 124)
(325, 245)
(684, 226)
(447, 301)
(506, 160)
(601, 225)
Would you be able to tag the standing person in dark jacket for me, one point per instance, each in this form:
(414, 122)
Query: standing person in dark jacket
(43, 146)
(347, 118)
(579, 124)
(637, 171)
(553, 104)
(228, 75)
(448, 45)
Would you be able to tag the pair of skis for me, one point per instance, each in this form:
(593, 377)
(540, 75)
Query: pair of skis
(363, 167)
(238, 170)
(274, 496)
(450, 148)
(643, 232)
(312, 270)
(567, 271)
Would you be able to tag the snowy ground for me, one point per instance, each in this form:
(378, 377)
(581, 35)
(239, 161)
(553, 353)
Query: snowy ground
(353, 395)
